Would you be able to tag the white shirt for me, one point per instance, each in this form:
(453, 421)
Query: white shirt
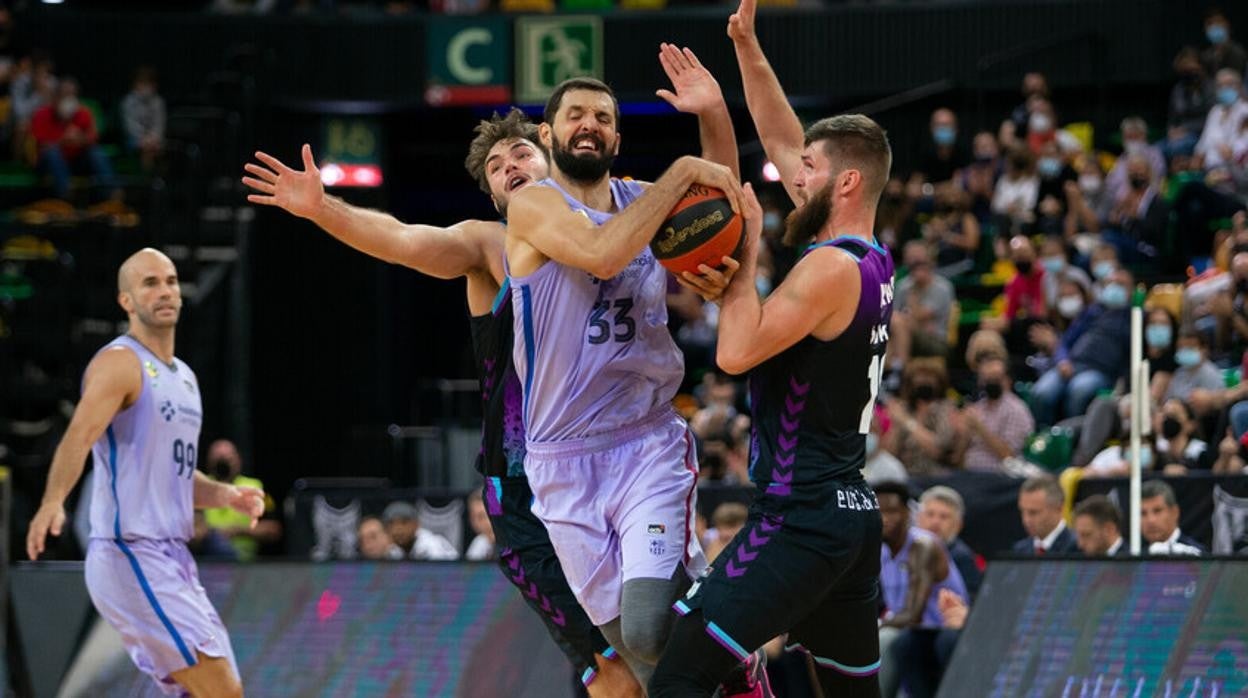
(431, 546)
(1021, 192)
(1221, 128)
(1051, 538)
(1113, 549)
(1172, 546)
(481, 548)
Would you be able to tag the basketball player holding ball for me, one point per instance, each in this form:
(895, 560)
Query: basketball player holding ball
(807, 561)
(611, 465)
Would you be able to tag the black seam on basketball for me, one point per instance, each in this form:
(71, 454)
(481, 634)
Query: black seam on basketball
(691, 227)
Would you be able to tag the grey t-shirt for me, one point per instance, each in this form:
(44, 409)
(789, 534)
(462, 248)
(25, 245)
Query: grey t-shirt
(938, 296)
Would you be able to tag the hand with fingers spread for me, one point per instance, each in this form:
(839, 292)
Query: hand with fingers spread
(49, 520)
(696, 90)
(298, 191)
(741, 22)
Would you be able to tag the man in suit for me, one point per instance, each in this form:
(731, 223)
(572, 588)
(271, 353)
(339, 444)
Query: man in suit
(941, 511)
(1159, 522)
(1098, 528)
(1040, 503)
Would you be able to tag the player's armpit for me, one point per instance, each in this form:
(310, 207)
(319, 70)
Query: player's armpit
(818, 297)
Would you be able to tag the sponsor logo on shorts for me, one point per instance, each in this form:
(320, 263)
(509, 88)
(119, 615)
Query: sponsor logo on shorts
(856, 501)
(657, 547)
(656, 529)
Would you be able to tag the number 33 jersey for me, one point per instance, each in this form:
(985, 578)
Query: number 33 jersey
(593, 355)
(143, 484)
(813, 402)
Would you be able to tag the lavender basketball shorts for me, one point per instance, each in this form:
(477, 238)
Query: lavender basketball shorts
(619, 506)
(149, 591)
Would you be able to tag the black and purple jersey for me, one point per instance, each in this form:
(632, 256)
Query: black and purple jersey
(813, 402)
(502, 401)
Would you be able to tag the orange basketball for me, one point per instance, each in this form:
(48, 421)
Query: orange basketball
(701, 229)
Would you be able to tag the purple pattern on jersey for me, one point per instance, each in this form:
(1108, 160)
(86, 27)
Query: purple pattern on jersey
(515, 573)
(593, 355)
(751, 542)
(145, 462)
(513, 423)
(786, 452)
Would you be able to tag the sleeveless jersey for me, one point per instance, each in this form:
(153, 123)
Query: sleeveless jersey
(145, 461)
(813, 402)
(593, 356)
(502, 428)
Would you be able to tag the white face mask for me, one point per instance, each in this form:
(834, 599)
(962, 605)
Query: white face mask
(1069, 306)
(67, 108)
(1089, 184)
(1040, 123)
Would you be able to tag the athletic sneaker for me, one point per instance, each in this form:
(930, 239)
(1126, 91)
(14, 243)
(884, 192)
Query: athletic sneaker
(748, 680)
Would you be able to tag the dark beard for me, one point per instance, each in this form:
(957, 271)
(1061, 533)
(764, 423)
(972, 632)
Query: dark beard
(805, 222)
(586, 169)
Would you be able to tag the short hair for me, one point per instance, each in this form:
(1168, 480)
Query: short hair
(579, 83)
(145, 73)
(1046, 484)
(365, 519)
(1100, 509)
(948, 495)
(856, 141)
(514, 126)
(1158, 488)
(1193, 335)
(400, 511)
(897, 487)
(933, 366)
(1134, 123)
(730, 514)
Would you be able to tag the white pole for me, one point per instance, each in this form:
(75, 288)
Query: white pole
(1139, 403)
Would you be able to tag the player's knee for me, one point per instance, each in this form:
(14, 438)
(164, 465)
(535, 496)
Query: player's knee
(645, 634)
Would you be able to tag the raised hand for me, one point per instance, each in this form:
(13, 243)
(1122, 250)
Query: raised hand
(697, 91)
(297, 191)
(741, 23)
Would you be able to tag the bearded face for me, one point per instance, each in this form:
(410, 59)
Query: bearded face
(583, 158)
(805, 221)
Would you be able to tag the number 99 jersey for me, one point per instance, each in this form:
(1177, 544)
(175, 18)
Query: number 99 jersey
(145, 462)
(593, 355)
(813, 402)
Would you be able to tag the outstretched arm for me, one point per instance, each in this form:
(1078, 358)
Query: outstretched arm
(540, 220)
(112, 383)
(777, 124)
(697, 92)
(445, 253)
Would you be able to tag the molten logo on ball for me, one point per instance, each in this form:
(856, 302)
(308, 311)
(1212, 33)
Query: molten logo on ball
(701, 229)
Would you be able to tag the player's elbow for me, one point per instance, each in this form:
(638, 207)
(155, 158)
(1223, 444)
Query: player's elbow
(607, 266)
(731, 360)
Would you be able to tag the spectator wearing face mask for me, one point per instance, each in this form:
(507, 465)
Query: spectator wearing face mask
(1194, 370)
(1222, 126)
(1178, 449)
(226, 465)
(1191, 98)
(1088, 198)
(1090, 356)
(67, 141)
(924, 433)
(143, 115)
(998, 423)
(1057, 268)
(1103, 262)
(1113, 460)
(1160, 331)
(946, 154)
(1041, 125)
(953, 230)
(979, 177)
(1138, 221)
(921, 308)
(1015, 196)
(1134, 131)
(1015, 129)
(1222, 51)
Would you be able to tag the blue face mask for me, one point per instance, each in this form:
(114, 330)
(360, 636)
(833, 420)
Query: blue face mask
(1158, 336)
(763, 284)
(1053, 265)
(772, 220)
(1187, 356)
(1102, 269)
(944, 135)
(1049, 167)
(1228, 95)
(1114, 296)
(1216, 33)
(873, 442)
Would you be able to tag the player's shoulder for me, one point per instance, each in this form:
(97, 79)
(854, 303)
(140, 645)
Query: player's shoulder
(114, 365)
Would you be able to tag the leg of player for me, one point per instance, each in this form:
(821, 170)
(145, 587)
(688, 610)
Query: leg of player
(613, 680)
(211, 677)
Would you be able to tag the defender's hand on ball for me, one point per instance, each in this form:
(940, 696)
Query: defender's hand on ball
(711, 283)
(299, 192)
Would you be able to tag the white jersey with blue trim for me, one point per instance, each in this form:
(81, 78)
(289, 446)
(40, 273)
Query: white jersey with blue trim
(145, 461)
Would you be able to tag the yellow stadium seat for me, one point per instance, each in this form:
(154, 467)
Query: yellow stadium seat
(527, 5)
(1167, 296)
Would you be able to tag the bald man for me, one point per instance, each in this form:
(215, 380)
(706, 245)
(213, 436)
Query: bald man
(140, 417)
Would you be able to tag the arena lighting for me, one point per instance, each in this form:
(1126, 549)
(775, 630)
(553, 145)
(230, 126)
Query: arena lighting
(347, 175)
(53, 2)
(770, 172)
